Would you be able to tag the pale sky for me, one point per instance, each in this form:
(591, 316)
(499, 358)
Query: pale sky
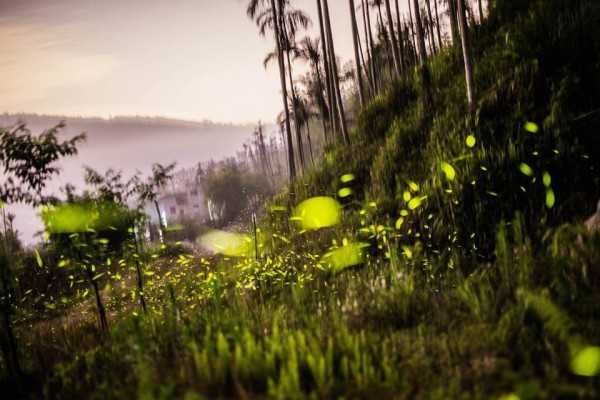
(189, 59)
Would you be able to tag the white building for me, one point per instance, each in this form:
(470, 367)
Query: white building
(180, 200)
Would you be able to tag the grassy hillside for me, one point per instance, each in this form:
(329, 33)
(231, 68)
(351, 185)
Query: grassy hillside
(536, 74)
(457, 268)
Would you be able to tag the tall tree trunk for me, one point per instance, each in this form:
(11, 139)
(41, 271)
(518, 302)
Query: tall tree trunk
(320, 100)
(287, 43)
(395, 54)
(297, 127)
(464, 35)
(437, 24)
(355, 39)
(365, 67)
(412, 34)
(430, 27)
(336, 81)
(327, 68)
(376, 72)
(288, 130)
(386, 41)
(420, 34)
(400, 37)
(480, 12)
(371, 69)
(310, 149)
(453, 21)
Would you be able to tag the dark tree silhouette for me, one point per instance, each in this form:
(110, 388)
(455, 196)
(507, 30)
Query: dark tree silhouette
(28, 163)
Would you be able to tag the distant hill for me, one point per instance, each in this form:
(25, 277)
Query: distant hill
(137, 142)
(130, 144)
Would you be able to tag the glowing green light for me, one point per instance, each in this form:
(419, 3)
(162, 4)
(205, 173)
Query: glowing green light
(344, 257)
(347, 178)
(229, 244)
(318, 212)
(531, 127)
(406, 195)
(82, 217)
(345, 192)
(586, 362)
(526, 170)
(471, 141)
(399, 222)
(449, 171)
(547, 179)
(413, 186)
(550, 198)
(415, 203)
(407, 252)
(510, 396)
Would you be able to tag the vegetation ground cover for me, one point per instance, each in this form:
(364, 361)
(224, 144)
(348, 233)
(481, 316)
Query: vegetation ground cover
(438, 255)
